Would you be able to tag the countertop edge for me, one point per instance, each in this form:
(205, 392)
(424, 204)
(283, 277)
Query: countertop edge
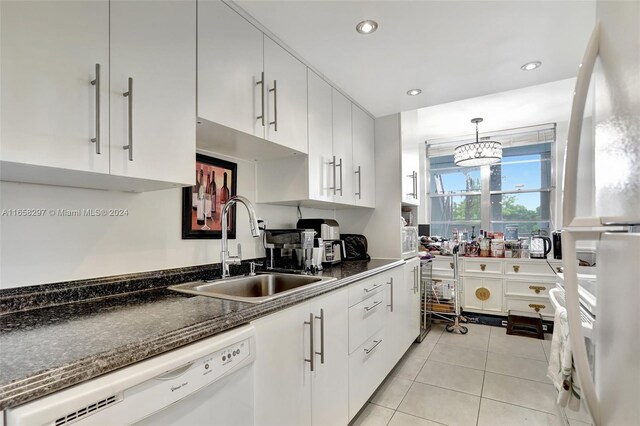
(47, 382)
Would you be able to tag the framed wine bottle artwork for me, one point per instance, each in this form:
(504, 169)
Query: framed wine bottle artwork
(216, 182)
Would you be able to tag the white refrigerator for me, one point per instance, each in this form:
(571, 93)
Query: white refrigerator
(610, 74)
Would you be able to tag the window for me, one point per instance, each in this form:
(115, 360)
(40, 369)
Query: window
(515, 191)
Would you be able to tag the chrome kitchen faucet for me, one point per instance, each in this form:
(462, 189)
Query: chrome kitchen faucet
(225, 257)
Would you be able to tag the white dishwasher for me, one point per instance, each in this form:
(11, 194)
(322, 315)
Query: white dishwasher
(209, 382)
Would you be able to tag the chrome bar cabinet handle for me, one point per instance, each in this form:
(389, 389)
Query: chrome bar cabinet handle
(391, 299)
(359, 193)
(321, 353)
(261, 84)
(375, 304)
(96, 82)
(367, 290)
(129, 94)
(311, 359)
(340, 165)
(333, 164)
(275, 105)
(415, 185)
(376, 343)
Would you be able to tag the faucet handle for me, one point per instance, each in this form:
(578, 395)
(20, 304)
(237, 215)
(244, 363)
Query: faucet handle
(252, 266)
(239, 251)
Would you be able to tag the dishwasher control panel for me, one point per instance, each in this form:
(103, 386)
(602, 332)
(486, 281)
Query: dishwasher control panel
(221, 362)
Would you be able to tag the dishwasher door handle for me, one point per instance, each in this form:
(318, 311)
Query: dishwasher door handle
(177, 372)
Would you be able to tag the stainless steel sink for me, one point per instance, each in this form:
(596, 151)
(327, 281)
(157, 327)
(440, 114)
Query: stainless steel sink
(253, 289)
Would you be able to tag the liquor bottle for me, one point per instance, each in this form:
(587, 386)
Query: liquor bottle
(207, 196)
(214, 193)
(200, 210)
(194, 194)
(224, 191)
(224, 197)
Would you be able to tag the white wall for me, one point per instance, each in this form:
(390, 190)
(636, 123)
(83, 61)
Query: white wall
(38, 250)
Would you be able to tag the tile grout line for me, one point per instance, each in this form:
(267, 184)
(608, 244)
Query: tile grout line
(521, 406)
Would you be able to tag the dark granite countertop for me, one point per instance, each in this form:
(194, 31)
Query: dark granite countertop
(46, 349)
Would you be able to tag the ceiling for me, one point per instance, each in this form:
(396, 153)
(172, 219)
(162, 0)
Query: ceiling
(452, 50)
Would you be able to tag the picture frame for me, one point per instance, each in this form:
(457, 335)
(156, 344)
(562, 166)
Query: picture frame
(201, 216)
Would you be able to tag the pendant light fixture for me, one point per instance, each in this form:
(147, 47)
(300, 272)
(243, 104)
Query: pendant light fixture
(478, 153)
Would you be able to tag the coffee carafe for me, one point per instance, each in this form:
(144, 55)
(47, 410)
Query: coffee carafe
(540, 246)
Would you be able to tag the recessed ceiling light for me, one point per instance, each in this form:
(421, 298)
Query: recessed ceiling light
(414, 92)
(367, 27)
(531, 66)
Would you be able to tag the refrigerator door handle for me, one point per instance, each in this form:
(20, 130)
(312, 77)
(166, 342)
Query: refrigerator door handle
(570, 184)
(580, 359)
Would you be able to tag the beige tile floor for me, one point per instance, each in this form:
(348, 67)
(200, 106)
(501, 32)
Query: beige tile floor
(483, 378)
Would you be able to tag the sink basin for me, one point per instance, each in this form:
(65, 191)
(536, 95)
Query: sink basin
(252, 289)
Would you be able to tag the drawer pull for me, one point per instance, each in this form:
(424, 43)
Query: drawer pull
(375, 345)
(537, 288)
(370, 289)
(516, 269)
(375, 304)
(483, 266)
(451, 265)
(559, 269)
(536, 307)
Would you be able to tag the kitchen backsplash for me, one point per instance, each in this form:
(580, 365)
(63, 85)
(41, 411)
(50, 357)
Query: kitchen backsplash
(47, 249)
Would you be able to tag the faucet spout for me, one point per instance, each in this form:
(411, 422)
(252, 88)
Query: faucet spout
(225, 257)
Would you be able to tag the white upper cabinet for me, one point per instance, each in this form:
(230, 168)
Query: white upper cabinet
(285, 97)
(65, 69)
(363, 158)
(230, 62)
(321, 178)
(410, 160)
(153, 52)
(343, 149)
(49, 106)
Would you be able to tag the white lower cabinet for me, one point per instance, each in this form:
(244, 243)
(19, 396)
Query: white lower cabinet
(287, 392)
(483, 293)
(355, 342)
(403, 310)
(367, 369)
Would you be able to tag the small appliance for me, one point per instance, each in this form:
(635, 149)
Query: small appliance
(557, 244)
(540, 246)
(329, 232)
(410, 241)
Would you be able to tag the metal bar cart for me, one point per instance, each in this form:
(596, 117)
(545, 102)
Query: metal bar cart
(441, 300)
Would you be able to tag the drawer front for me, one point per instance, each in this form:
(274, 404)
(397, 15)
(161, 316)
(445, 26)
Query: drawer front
(541, 268)
(366, 318)
(531, 288)
(368, 287)
(443, 266)
(482, 266)
(543, 306)
(366, 371)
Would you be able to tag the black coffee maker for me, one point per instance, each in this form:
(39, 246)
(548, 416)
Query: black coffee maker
(556, 237)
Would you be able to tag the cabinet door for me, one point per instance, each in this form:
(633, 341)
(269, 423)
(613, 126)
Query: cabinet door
(410, 174)
(343, 148)
(330, 388)
(320, 139)
(363, 158)
(154, 44)
(412, 276)
(490, 295)
(229, 69)
(286, 97)
(399, 313)
(49, 56)
(282, 377)
(494, 302)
